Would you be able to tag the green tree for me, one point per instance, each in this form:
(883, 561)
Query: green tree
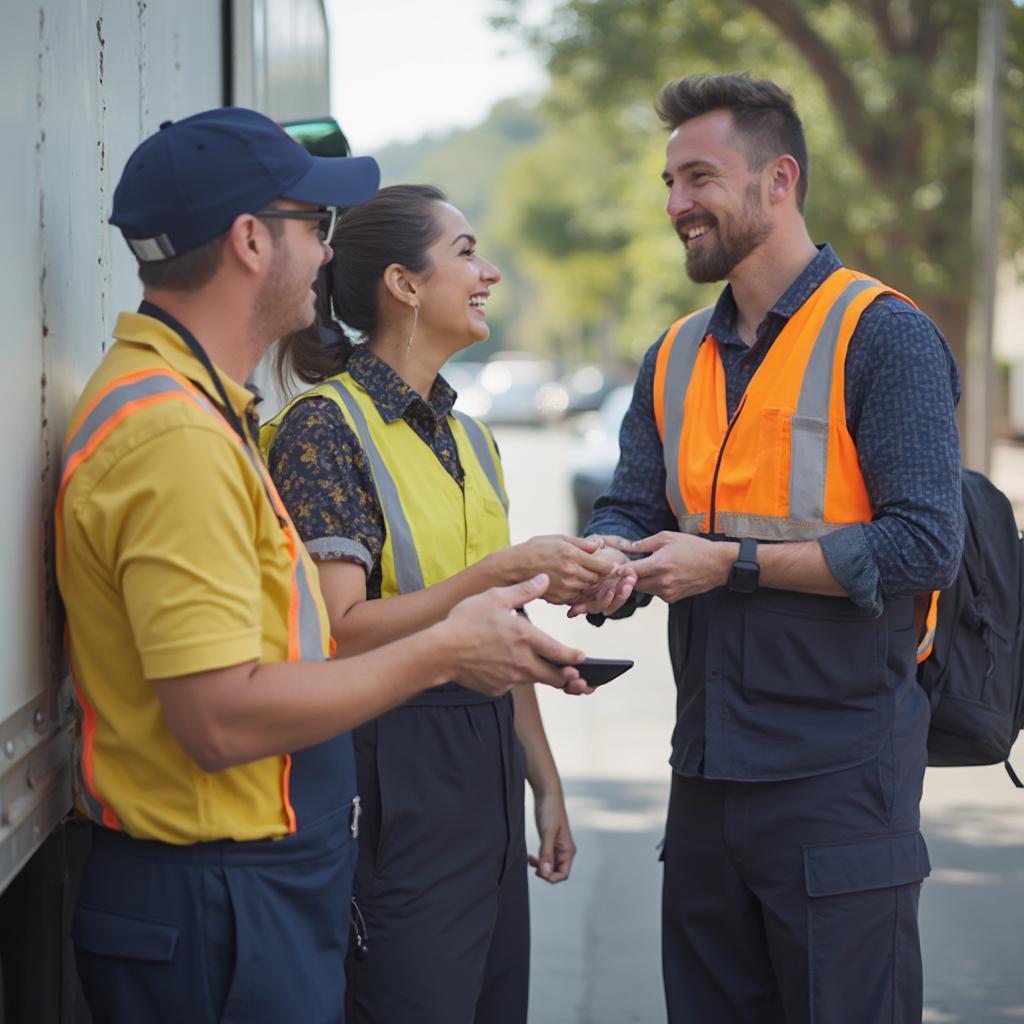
(886, 92)
(580, 214)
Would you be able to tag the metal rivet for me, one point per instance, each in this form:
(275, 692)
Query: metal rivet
(9, 748)
(39, 718)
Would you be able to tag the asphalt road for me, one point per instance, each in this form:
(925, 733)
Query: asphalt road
(596, 953)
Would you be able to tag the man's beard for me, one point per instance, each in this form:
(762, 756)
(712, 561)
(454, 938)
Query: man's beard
(716, 258)
(282, 306)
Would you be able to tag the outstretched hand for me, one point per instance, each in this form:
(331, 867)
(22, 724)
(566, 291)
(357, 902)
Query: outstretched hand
(499, 649)
(609, 594)
(571, 564)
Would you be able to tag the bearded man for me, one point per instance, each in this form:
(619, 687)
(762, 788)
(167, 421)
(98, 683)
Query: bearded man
(790, 468)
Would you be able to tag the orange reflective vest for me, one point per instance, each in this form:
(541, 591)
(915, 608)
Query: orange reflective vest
(784, 467)
(113, 404)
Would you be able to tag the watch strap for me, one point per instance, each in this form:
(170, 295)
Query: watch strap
(748, 550)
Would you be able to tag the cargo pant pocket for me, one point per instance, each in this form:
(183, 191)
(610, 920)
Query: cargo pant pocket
(106, 933)
(124, 963)
(864, 954)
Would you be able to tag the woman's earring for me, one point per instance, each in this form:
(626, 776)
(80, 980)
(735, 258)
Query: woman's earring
(412, 333)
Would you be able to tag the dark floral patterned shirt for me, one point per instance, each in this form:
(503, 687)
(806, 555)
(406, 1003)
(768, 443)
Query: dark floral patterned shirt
(323, 475)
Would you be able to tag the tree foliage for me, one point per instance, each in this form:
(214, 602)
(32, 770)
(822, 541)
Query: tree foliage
(886, 92)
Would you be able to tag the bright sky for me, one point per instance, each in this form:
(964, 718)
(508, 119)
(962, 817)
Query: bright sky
(403, 68)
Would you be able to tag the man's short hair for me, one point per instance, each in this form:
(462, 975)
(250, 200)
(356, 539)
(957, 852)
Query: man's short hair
(194, 269)
(763, 114)
(188, 272)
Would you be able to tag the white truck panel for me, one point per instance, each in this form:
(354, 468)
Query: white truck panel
(83, 83)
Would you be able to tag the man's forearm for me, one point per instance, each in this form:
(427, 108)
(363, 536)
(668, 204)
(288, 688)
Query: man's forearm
(248, 712)
(799, 566)
(681, 565)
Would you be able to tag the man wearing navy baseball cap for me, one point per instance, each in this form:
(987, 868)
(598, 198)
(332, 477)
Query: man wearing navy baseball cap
(215, 761)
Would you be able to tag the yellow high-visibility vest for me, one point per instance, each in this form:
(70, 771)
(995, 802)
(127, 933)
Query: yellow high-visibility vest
(434, 527)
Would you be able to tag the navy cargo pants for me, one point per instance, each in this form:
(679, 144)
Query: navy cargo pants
(219, 932)
(795, 902)
(442, 881)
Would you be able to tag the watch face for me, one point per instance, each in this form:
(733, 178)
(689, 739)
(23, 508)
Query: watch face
(743, 577)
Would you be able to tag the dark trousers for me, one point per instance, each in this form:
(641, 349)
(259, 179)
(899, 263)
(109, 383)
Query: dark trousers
(796, 902)
(239, 933)
(442, 869)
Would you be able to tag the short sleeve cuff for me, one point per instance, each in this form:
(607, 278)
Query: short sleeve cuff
(344, 549)
(850, 560)
(201, 654)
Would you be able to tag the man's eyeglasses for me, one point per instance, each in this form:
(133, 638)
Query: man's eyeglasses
(327, 217)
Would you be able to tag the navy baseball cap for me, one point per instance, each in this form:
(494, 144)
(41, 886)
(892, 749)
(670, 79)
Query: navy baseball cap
(187, 183)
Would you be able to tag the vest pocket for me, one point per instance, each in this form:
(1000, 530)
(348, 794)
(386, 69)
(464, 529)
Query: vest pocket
(769, 477)
(816, 660)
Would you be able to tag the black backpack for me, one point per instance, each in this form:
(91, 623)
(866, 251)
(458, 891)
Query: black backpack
(974, 677)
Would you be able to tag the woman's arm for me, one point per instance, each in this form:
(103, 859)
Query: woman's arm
(359, 625)
(557, 848)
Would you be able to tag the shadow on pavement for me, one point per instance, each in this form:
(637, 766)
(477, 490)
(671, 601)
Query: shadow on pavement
(596, 940)
(971, 917)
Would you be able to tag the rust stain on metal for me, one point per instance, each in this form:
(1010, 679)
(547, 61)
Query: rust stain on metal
(101, 149)
(102, 42)
(52, 621)
(141, 6)
(101, 140)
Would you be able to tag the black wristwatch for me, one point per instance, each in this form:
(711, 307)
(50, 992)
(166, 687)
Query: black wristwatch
(745, 571)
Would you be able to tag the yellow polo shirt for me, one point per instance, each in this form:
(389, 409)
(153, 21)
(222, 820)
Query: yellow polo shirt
(171, 561)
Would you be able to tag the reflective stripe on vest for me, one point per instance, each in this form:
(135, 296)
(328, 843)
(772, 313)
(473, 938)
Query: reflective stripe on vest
(117, 401)
(434, 526)
(482, 450)
(685, 339)
(794, 506)
(408, 571)
(809, 426)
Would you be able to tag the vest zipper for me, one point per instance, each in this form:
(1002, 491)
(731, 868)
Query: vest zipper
(712, 524)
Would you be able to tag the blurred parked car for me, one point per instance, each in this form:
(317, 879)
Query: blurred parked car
(588, 386)
(593, 458)
(464, 377)
(461, 374)
(510, 390)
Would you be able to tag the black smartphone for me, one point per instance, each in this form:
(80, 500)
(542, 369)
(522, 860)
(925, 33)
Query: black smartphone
(598, 671)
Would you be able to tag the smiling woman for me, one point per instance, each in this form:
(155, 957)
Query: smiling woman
(401, 500)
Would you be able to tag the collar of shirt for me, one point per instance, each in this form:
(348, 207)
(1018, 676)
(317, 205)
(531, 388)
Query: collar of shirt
(723, 319)
(393, 397)
(139, 329)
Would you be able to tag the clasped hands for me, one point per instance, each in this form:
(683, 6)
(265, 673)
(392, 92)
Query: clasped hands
(676, 565)
(597, 574)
